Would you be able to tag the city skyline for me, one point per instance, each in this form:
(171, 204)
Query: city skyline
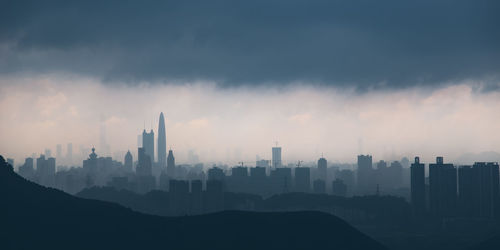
(386, 136)
(283, 124)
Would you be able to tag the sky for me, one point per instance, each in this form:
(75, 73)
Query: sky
(332, 78)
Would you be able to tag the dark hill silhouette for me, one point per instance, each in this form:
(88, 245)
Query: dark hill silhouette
(35, 217)
(380, 210)
(490, 244)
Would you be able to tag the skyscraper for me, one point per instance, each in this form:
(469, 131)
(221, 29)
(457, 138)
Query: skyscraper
(148, 144)
(366, 182)
(170, 164)
(59, 152)
(418, 186)
(322, 165)
(488, 184)
(162, 142)
(144, 166)
(128, 164)
(69, 153)
(144, 170)
(442, 188)
(302, 179)
(276, 157)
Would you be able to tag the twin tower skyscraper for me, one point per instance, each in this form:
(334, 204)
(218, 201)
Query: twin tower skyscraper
(149, 145)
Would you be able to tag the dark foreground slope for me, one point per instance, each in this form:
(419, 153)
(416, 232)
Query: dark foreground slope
(34, 217)
(490, 244)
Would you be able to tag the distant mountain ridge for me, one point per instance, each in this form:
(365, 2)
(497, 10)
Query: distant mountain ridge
(35, 217)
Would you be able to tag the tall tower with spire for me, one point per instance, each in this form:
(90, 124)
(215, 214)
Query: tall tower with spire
(162, 142)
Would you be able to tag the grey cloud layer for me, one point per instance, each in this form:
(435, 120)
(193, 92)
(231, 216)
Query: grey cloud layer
(365, 44)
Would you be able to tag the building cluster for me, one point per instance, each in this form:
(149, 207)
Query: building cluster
(450, 191)
(155, 169)
(446, 190)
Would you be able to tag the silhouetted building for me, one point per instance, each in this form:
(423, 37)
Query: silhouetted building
(302, 179)
(394, 175)
(258, 181)
(281, 180)
(216, 173)
(171, 164)
(366, 182)
(479, 189)
(59, 151)
(162, 142)
(179, 196)
(239, 181)
(488, 188)
(144, 166)
(442, 188)
(45, 171)
(48, 153)
(69, 153)
(322, 166)
(339, 188)
(196, 197)
(381, 165)
(319, 186)
(347, 177)
(214, 195)
(262, 163)
(119, 183)
(145, 179)
(468, 190)
(418, 187)
(148, 144)
(164, 181)
(276, 161)
(26, 170)
(128, 162)
(90, 165)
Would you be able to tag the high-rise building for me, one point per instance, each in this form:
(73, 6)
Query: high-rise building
(162, 142)
(59, 151)
(216, 173)
(468, 190)
(281, 180)
(262, 163)
(144, 166)
(418, 187)
(129, 162)
(26, 170)
(276, 161)
(339, 188)
(395, 175)
(303, 179)
(46, 170)
(347, 177)
(69, 153)
(48, 153)
(148, 144)
(442, 188)
(485, 187)
(322, 166)
(319, 186)
(366, 180)
(90, 165)
(170, 164)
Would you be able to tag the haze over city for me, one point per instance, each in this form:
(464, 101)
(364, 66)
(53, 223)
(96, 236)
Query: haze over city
(340, 124)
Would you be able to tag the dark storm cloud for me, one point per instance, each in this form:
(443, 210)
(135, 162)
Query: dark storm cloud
(368, 44)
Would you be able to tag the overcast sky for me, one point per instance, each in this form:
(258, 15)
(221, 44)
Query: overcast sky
(389, 78)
